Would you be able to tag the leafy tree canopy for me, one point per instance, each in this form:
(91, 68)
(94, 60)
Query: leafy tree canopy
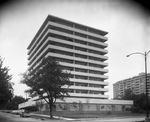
(47, 81)
(6, 90)
(128, 95)
(15, 101)
(138, 99)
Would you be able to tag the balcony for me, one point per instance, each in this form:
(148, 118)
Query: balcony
(88, 95)
(78, 30)
(89, 81)
(87, 88)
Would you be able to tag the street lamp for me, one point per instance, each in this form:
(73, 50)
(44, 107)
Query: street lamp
(145, 56)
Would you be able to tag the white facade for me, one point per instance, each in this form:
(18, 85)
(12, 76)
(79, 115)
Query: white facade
(80, 49)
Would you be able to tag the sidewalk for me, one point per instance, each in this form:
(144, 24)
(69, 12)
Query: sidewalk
(48, 117)
(110, 118)
(119, 118)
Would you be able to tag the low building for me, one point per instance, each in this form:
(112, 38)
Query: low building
(76, 106)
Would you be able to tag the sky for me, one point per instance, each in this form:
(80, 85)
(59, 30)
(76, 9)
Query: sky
(127, 24)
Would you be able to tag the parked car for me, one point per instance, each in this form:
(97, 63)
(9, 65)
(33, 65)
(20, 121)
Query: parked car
(14, 112)
(8, 111)
(17, 112)
(25, 114)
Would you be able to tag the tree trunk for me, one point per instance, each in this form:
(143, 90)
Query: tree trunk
(51, 110)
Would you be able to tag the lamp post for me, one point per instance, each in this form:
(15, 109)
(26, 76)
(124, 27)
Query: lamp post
(145, 56)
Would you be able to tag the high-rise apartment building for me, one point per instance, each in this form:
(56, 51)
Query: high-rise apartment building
(79, 49)
(136, 84)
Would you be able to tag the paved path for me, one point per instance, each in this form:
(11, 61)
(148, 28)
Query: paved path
(104, 119)
(56, 117)
(115, 120)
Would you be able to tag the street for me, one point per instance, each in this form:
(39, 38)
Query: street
(7, 117)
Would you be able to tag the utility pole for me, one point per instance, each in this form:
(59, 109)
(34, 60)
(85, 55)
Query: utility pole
(146, 84)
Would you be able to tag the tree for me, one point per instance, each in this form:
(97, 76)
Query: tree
(47, 81)
(39, 104)
(138, 99)
(15, 101)
(6, 90)
(128, 95)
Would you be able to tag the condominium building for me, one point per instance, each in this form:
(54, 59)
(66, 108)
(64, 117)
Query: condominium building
(136, 84)
(79, 49)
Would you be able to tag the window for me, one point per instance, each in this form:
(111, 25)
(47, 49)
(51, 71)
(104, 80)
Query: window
(95, 79)
(81, 84)
(95, 65)
(80, 56)
(81, 70)
(80, 35)
(69, 39)
(63, 22)
(82, 91)
(81, 49)
(63, 53)
(96, 45)
(67, 68)
(96, 52)
(70, 90)
(81, 27)
(96, 59)
(61, 30)
(80, 42)
(64, 60)
(81, 77)
(71, 76)
(81, 63)
(61, 45)
(96, 39)
(96, 31)
(95, 72)
(95, 92)
(94, 85)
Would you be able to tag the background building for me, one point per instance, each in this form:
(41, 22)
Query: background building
(136, 84)
(79, 49)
